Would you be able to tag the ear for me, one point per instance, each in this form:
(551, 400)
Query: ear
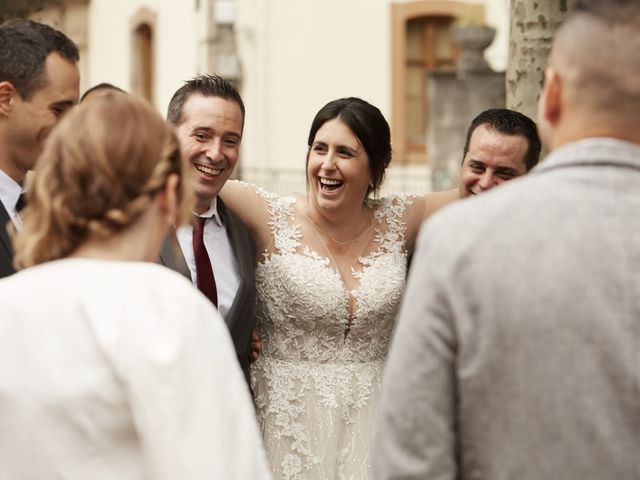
(167, 199)
(551, 99)
(7, 95)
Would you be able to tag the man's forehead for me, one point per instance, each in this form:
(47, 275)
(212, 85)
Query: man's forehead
(208, 112)
(60, 80)
(211, 104)
(485, 133)
(497, 147)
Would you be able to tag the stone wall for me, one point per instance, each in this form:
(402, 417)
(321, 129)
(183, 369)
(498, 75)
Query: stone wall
(455, 98)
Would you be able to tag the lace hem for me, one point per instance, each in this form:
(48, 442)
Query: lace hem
(317, 419)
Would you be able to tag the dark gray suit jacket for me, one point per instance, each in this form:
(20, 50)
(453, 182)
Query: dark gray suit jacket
(6, 251)
(240, 318)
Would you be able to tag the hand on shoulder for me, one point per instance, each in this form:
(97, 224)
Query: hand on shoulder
(436, 200)
(423, 206)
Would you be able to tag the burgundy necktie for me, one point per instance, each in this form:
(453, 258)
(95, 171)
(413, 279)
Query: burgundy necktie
(204, 273)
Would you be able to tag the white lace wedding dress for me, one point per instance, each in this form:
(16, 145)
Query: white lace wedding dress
(317, 380)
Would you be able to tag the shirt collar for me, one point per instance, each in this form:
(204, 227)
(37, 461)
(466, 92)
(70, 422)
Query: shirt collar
(211, 213)
(593, 151)
(10, 191)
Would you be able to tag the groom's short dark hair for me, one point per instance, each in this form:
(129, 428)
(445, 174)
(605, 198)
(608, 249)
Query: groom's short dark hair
(207, 85)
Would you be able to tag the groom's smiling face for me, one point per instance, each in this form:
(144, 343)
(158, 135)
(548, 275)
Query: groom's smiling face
(210, 133)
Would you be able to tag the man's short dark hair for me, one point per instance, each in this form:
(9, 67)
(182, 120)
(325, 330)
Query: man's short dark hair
(101, 86)
(206, 85)
(509, 122)
(25, 47)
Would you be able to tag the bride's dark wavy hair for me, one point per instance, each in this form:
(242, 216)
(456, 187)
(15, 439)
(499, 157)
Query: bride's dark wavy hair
(99, 171)
(368, 124)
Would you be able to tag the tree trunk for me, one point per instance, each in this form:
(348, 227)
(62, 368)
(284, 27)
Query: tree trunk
(533, 23)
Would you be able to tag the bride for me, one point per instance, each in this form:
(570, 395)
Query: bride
(329, 279)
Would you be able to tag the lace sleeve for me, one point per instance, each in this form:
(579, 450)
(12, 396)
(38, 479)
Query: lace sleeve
(257, 207)
(391, 212)
(285, 232)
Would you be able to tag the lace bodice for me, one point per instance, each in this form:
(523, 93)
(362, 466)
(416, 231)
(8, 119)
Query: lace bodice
(303, 304)
(317, 380)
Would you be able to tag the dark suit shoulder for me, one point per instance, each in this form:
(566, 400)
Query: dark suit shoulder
(6, 250)
(237, 229)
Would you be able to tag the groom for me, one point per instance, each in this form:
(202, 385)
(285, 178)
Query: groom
(217, 253)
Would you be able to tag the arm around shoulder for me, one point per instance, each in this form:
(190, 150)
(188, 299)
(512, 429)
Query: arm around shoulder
(422, 207)
(436, 200)
(251, 205)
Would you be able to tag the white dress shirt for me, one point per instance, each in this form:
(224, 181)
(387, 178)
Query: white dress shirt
(119, 370)
(10, 192)
(223, 261)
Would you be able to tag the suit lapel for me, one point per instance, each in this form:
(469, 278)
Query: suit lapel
(172, 257)
(6, 250)
(4, 236)
(243, 254)
(237, 237)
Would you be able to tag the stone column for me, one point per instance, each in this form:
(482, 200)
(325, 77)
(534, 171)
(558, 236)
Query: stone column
(473, 40)
(455, 98)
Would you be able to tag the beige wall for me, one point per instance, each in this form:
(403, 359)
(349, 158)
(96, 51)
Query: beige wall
(299, 54)
(176, 41)
(497, 16)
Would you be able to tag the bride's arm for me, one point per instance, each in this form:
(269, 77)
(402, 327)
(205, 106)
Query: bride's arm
(251, 207)
(422, 207)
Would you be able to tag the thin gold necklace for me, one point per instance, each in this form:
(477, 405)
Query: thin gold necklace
(333, 239)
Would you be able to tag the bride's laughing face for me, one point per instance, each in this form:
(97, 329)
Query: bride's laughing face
(337, 168)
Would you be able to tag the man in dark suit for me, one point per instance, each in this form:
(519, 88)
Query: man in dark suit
(208, 113)
(39, 82)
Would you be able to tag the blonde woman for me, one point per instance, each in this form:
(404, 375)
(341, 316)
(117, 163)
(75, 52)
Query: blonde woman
(112, 366)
